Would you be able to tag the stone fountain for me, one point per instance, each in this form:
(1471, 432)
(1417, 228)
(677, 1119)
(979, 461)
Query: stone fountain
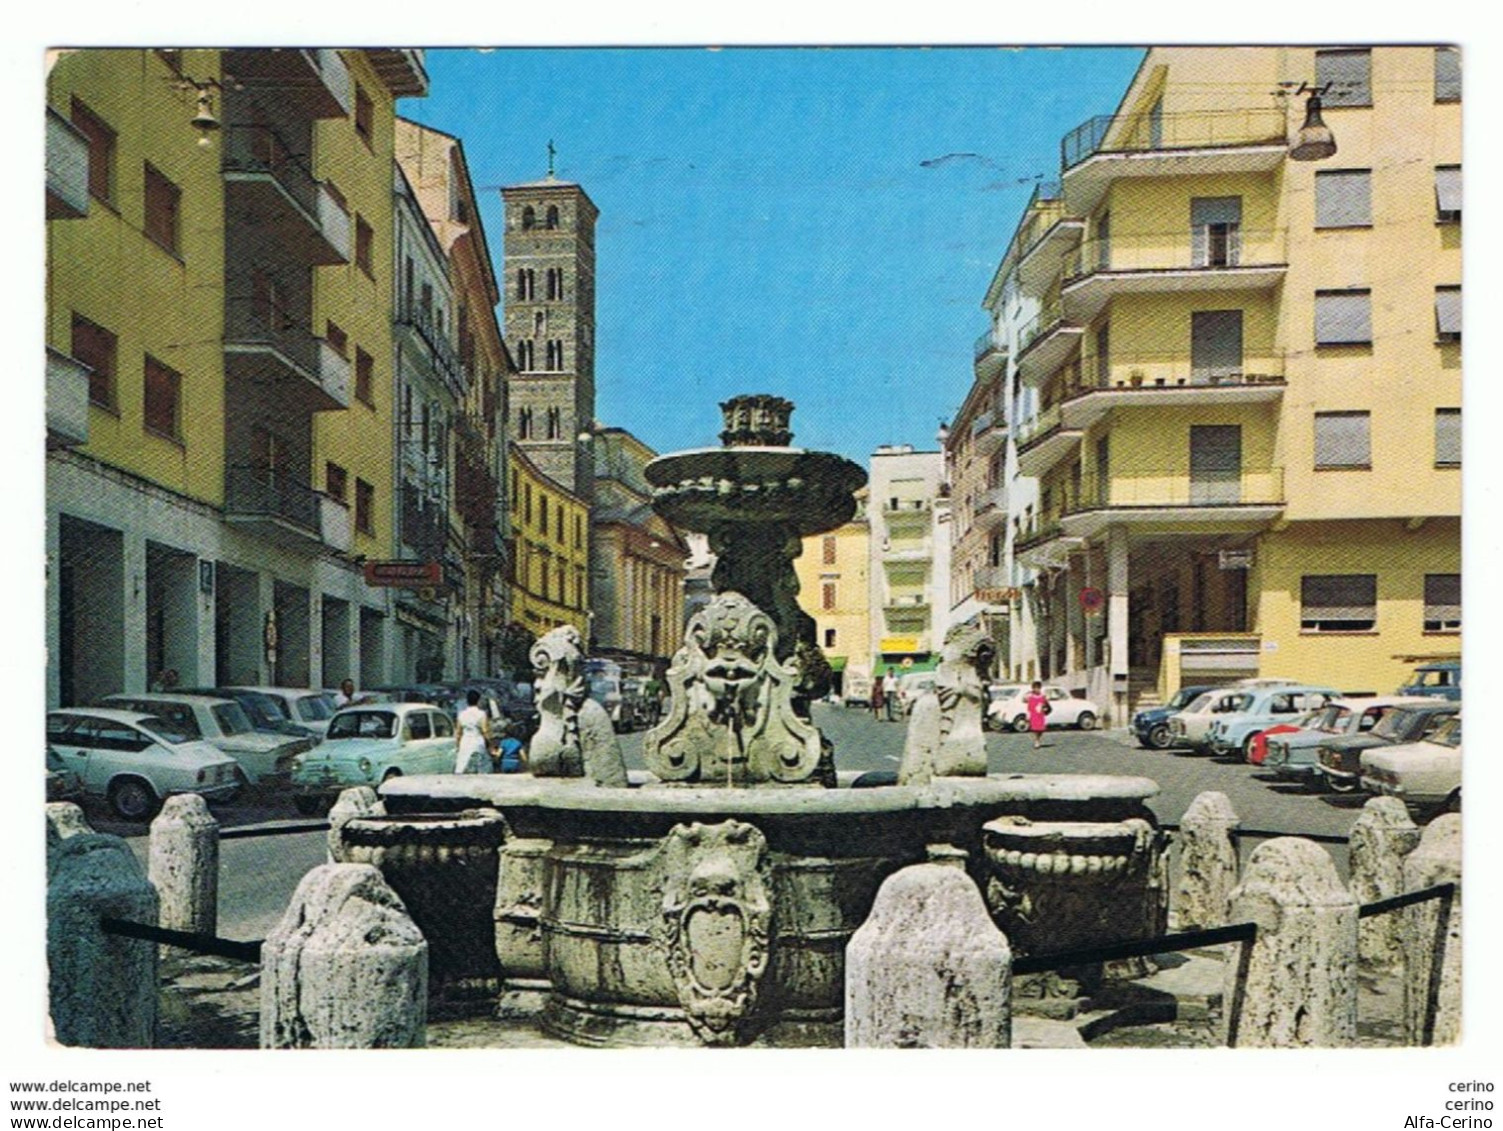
(711, 900)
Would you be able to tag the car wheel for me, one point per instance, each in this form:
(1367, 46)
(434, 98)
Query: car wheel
(1335, 784)
(1160, 737)
(1086, 721)
(995, 722)
(310, 806)
(389, 774)
(133, 800)
(1248, 744)
(1020, 724)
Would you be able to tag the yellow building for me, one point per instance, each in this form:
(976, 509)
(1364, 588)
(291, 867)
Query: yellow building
(1238, 376)
(550, 584)
(204, 327)
(834, 583)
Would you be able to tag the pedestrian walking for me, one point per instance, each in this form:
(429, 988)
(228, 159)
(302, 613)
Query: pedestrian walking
(890, 692)
(472, 737)
(876, 699)
(1037, 705)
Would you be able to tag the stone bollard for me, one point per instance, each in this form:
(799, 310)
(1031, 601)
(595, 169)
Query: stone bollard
(358, 802)
(1207, 863)
(1432, 947)
(345, 968)
(102, 989)
(184, 864)
(64, 819)
(1381, 838)
(928, 969)
(1295, 986)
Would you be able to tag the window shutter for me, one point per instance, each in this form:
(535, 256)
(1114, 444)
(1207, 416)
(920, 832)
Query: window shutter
(1343, 318)
(1447, 74)
(1343, 198)
(1348, 73)
(1342, 439)
(1448, 436)
(1448, 192)
(1443, 597)
(1448, 311)
(1339, 597)
(1215, 210)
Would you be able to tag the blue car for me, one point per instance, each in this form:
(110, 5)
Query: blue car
(1234, 731)
(1440, 680)
(1152, 726)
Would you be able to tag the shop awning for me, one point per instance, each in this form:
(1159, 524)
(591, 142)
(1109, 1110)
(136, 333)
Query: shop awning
(837, 663)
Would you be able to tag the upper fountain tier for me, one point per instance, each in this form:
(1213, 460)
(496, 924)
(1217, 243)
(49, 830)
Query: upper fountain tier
(755, 477)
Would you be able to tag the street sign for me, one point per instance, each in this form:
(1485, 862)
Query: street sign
(1092, 599)
(404, 574)
(1234, 559)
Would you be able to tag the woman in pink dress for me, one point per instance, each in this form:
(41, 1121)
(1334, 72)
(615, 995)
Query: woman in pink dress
(1037, 704)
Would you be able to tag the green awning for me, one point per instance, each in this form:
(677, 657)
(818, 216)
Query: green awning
(837, 663)
(922, 662)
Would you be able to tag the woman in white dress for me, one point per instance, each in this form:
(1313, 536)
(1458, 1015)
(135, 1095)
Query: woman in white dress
(472, 737)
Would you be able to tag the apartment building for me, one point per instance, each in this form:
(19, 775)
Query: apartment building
(909, 574)
(1235, 377)
(550, 584)
(834, 579)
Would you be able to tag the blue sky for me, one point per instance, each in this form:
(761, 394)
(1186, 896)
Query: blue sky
(818, 223)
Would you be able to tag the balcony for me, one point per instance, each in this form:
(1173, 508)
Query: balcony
(1191, 143)
(334, 523)
(1043, 544)
(1237, 261)
(67, 169)
(990, 353)
(1045, 342)
(907, 608)
(1045, 441)
(1143, 380)
(989, 507)
(990, 577)
(420, 320)
(263, 342)
(272, 188)
(402, 69)
(271, 505)
(907, 512)
(908, 553)
(988, 432)
(67, 401)
(1170, 499)
(311, 82)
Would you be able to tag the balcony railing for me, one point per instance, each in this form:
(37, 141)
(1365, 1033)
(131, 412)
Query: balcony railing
(334, 523)
(907, 603)
(260, 149)
(1168, 370)
(1050, 316)
(311, 81)
(1177, 487)
(990, 577)
(260, 323)
(67, 400)
(1035, 533)
(907, 508)
(67, 169)
(445, 356)
(1045, 422)
(1176, 251)
(988, 343)
(264, 493)
(1196, 129)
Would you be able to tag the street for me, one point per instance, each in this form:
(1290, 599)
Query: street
(258, 875)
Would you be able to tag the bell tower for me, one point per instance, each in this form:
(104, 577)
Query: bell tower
(549, 274)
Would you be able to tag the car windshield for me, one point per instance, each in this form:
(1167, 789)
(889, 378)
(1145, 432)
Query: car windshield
(262, 710)
(313, 708)
(1332, 720)
(1396, 724)
(164, 730)
(1433, 677)
(231, 718)
(363, 724)
(1234, 703)
(602, 686)
(1448, 733)
(1184, 697)
(1199, 703)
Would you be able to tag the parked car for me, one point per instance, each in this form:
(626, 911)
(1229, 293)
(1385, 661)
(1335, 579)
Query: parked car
(263, 758)
(995, 693)
(1442, 680)
(134, 760)
(1339, 761)
(303, 706)
(603, 678)
(264, 713)
(856, 688)
(639, 708)
(911, 685)
(1064, 710)
(1293, 755)
(1258, 749)
(1190, 727)
(1231, 732)
(1152, 725)
(1425, 775)
(370, 744)
(63, 784)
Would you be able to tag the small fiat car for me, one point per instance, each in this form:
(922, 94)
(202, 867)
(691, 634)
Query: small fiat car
(223, 723)
(370, 744)
(1426, 775)
(1152, 725)
(1339, 760)
(1232, 732)
(1064, 710)
(1293, 755)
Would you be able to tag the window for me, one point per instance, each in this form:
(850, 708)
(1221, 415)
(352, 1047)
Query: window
(827, 549)
(336, 481)
(1448, 437)
(529, 218)
(1349, 74)
(337, 338)
(827, 595)
(364, 241)
(1448, 314)
(1442, 602)
(552, 221)
(543, 513)
(419, 725)
(365, 507)
(829, 638)
(162, 411)
(578, 531)
(1447, 194)
(1215, 345)
(163, 202)
(1343, 198)
(95, 347)
(101, 152)
(365, 366)
(1343, 318)
(558, 529)
(524, 356)
(1447, 74)
(1215, 231)
(1339, 602)
(1342, 440)
(364, 115)
(442, 727)
(527, 502)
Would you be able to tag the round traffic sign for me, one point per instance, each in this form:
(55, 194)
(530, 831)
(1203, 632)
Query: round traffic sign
(1092, 599)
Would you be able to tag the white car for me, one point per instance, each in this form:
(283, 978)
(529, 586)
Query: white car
(305, 706)
(911, 685)
(1192, 726)
(1423, 775)
(134, 760)
(368, 745)
(224, 724)
(1009, 709)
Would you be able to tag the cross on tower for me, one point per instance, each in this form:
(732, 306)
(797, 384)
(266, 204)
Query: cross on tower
(551, 153)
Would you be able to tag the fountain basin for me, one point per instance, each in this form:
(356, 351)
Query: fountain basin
(661, 916)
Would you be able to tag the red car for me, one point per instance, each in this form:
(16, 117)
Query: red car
(1260, 741)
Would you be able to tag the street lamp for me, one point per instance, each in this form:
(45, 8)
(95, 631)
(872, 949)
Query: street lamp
(1314, 142)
